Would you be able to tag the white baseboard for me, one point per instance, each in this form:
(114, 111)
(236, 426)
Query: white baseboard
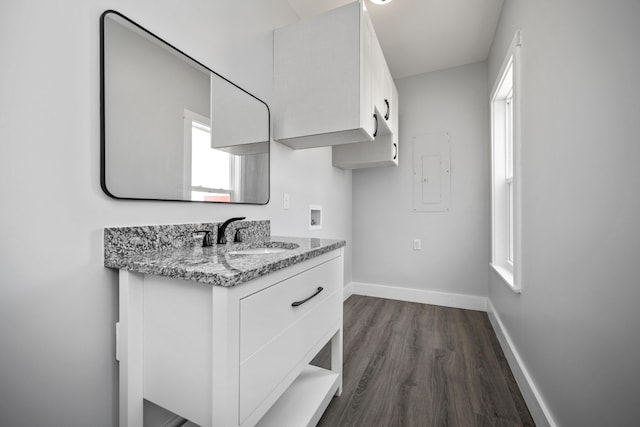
(348, 290)
(469, 302)
(539, 411)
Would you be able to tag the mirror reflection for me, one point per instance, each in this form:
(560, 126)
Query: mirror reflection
(172, 129)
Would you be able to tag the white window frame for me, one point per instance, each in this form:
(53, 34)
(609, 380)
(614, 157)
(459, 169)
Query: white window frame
(190, 118)
(506, 182)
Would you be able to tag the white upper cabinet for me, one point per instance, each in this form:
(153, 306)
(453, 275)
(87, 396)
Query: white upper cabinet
(326, 68)
(383, 150)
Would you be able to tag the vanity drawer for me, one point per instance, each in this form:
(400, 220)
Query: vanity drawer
(276, 338)
(277, 361)
(267, 313)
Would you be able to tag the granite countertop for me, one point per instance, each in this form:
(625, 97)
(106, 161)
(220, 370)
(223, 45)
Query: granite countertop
(215, 265)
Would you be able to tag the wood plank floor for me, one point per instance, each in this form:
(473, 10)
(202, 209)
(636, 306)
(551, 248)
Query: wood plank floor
(409, 364)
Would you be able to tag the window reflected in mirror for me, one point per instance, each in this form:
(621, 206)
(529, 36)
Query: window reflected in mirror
(209, 172)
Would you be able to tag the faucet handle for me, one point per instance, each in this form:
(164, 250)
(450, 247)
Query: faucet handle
(238, 236)
(222, 229)
(207, 240)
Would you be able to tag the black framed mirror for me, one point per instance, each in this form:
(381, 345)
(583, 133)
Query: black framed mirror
(172, 128)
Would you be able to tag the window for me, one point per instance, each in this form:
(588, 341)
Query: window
(208, 172)
(505, 152)
(509, 172)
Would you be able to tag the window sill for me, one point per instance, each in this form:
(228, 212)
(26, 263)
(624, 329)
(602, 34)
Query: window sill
(507, 277)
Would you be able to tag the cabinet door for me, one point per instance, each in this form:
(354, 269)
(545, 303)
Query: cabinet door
(387, 94)
(393, 122)
(382, 87)
(368, 63)
(321, 84)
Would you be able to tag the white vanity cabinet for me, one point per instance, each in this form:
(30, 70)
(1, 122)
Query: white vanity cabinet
(324, 71)
(232, 356)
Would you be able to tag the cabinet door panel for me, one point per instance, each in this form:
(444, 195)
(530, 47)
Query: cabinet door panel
(317, 75)
(383, 83)
(267, 313)
(368, 75)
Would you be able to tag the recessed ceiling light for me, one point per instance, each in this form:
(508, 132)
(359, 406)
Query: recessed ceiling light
(380, 1)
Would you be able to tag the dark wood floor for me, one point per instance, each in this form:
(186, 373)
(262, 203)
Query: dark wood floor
(408, 364)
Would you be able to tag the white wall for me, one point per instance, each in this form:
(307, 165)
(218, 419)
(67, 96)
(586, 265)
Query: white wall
(455, 244)
(576, 323)
(58, 304)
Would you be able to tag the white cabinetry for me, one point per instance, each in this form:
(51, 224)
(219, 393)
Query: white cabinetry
(332, 87)
(232, 356)
(324, 68)
(383, 151)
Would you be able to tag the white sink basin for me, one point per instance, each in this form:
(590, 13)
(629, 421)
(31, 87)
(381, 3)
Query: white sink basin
(258, 251)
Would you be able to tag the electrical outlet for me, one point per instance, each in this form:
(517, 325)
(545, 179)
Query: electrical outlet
(285, 201)
(417, 244)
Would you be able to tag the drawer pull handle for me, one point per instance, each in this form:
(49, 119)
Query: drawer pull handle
(297, 303)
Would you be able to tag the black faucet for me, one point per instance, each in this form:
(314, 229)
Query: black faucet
(222, 229)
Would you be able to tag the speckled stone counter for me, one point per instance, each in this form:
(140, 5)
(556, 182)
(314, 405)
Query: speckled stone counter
(147, 250)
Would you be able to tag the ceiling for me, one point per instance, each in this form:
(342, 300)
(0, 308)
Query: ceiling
(418, 36)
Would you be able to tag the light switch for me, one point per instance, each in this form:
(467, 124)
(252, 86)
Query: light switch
(417, 244)
(285, 201)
